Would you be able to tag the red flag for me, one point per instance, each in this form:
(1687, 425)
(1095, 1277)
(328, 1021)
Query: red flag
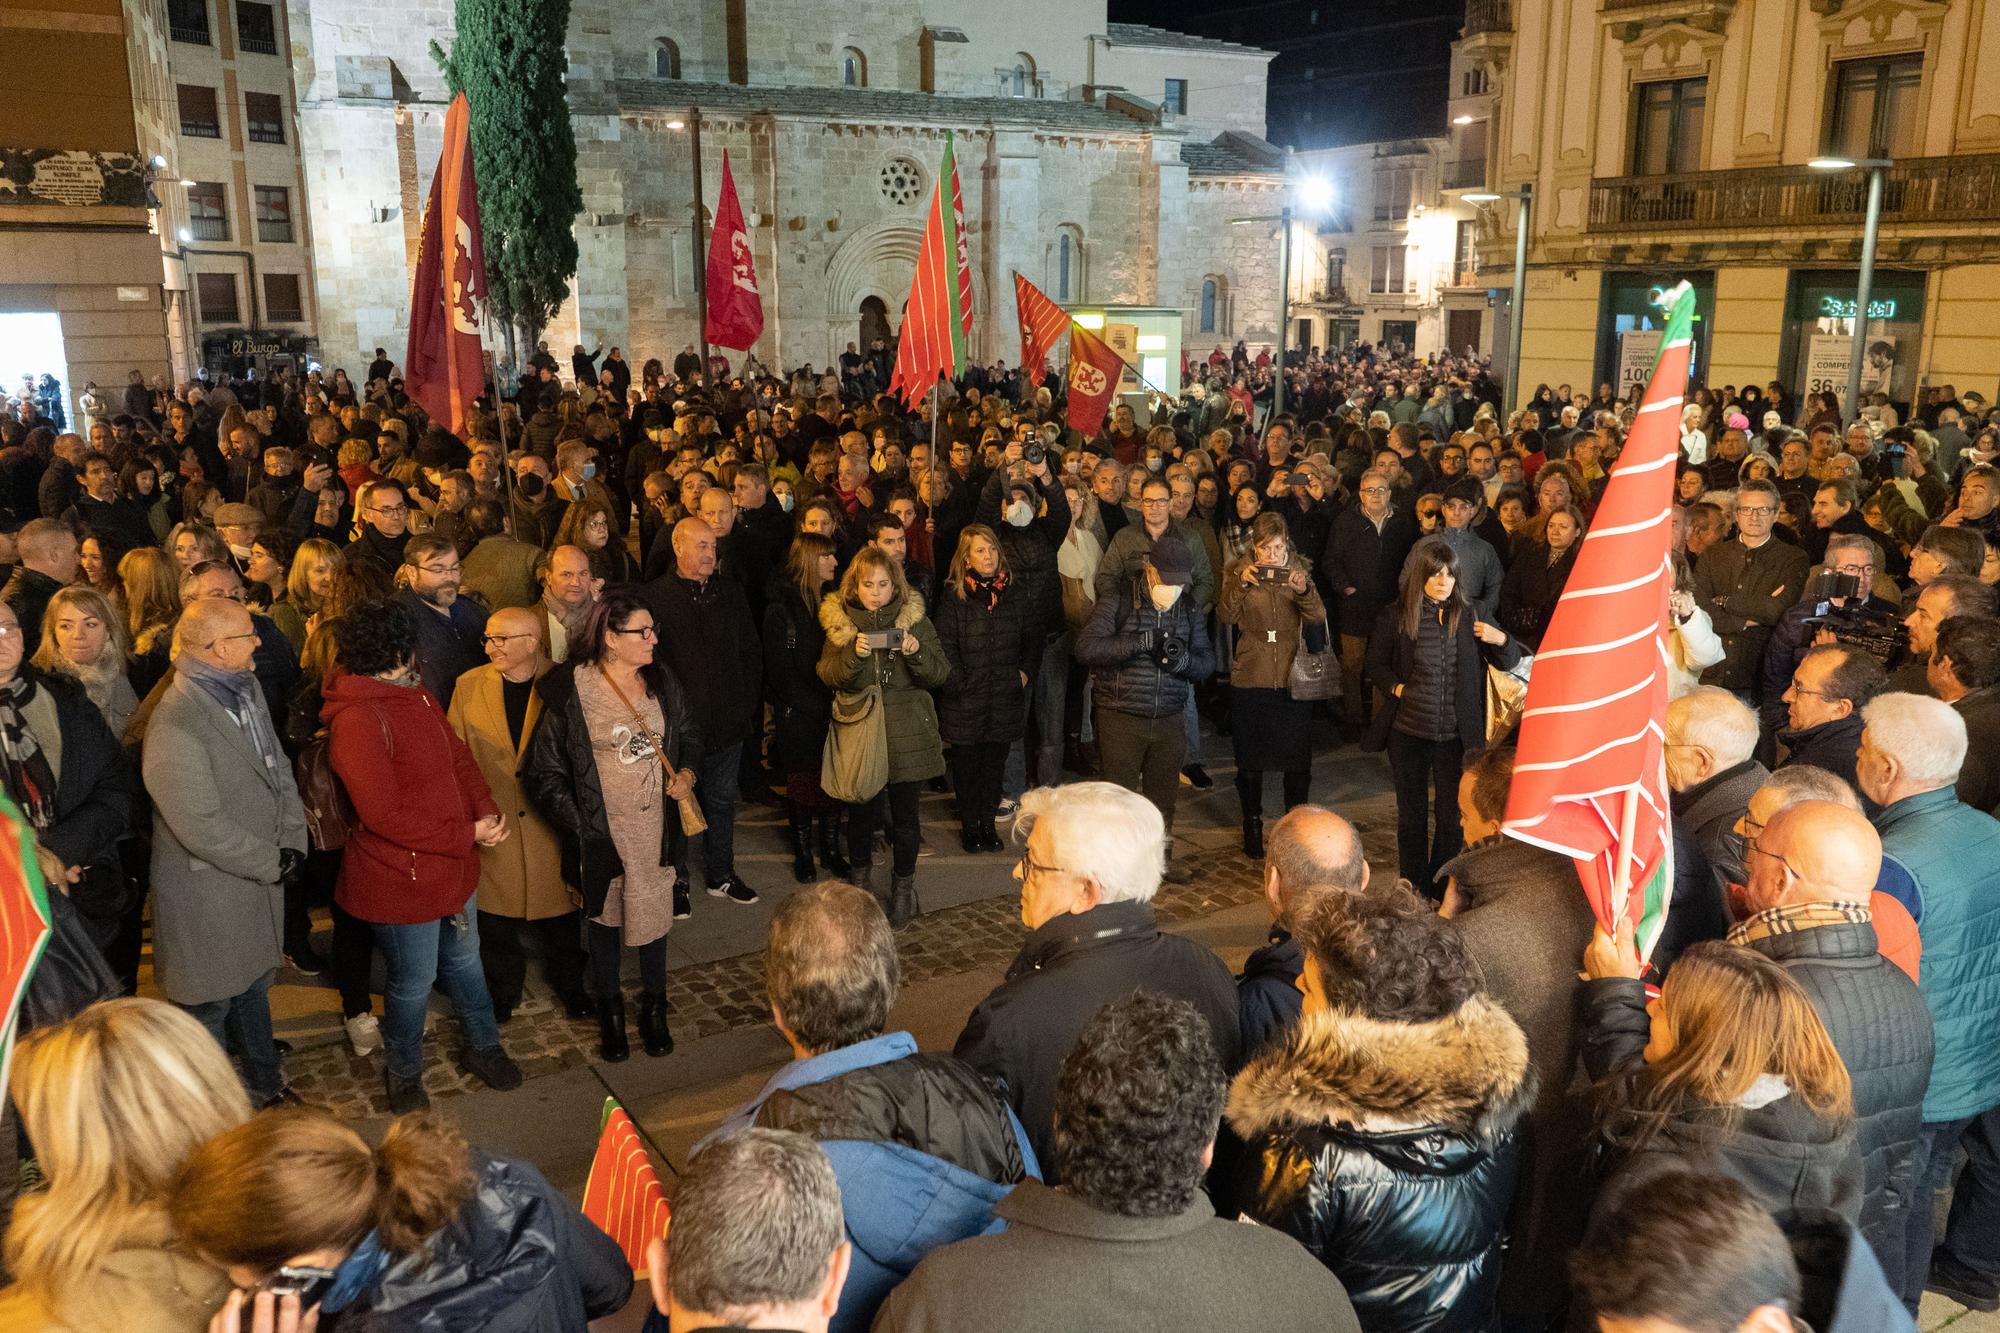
(1093, 378)
(1042, 323)
(937, 320)
(444, 369)
(1589, 777)
(24, 921)
(735, 310)
(622, 1193)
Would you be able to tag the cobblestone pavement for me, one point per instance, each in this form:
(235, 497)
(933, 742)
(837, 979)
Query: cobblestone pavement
(710, 998)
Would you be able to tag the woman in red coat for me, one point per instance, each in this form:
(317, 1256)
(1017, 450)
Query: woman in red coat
(412, 860)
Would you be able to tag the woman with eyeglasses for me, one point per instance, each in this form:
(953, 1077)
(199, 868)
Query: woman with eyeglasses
(606, 766)
(588, 527)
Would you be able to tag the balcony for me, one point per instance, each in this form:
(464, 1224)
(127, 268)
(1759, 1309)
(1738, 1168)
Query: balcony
(1934, 189)
(1469, 174)
(1488, 16)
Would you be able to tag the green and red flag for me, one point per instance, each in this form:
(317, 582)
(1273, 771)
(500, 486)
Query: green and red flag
(1043, 323)
(937, 321)
(24, 921)
(622, 1194)
(1590, 773)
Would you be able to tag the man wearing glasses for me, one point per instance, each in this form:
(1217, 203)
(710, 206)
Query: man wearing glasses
(450, 629)
(1850, 554)
(383, 512)
(1364, 552)
(1746, 585)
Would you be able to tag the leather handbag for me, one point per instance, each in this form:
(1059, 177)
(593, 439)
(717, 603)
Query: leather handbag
(1315, 673)
(854, 766)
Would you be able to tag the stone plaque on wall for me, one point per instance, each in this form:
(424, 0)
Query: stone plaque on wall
(71, 178)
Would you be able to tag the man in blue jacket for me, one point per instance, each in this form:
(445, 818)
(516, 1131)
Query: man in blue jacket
(923, 1146)
(1911, 751)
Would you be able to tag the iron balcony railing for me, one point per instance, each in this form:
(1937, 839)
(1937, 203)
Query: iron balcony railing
(1488, 16)
(1933, 189)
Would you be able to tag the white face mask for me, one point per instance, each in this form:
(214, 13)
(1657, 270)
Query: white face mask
(1165, 595)
(1020, 514)
(785, 502)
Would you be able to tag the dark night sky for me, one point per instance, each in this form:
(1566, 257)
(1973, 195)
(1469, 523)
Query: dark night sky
(1348, 71)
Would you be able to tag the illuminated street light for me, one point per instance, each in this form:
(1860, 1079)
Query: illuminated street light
(1463, 120)
(1316, 194)
(1526, 196)
(1875, 166)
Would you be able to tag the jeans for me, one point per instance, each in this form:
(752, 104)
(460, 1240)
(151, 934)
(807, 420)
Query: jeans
(418, 955)
(506, 964)
(716, 791)
(1144, 754)
(898, 801)
(1972, 1236)
(244, 1022)
(1426, 774)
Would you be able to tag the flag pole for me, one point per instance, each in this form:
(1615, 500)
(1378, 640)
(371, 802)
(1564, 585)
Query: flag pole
(1621, 874)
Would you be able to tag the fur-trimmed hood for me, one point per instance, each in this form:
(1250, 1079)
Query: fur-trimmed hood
(1467, 1072)
(837, 618)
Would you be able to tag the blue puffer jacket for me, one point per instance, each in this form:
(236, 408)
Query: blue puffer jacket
(923, 1148)
(1121, 645)
(1954, 851)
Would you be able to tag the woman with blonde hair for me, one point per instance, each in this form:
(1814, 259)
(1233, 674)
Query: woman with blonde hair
(192, 543)
(152, 580)
(83, 638)
(1729, 1070)
(990, 640)
(114, 1101)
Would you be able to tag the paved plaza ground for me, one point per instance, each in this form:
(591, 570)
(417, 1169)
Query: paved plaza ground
(725, 1047)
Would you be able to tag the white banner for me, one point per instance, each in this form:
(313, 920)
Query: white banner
(1637, 351)
(1827, 357)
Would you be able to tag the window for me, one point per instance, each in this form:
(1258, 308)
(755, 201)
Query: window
(187, 20)
(215, 294)
(1464, 263)
(1066, 264)
(666, 58)
(274, 213)
(1666, 126)
(266, 114)
(853, 68)
(281, 299)
(1875, 107)
(198, 116)
(1174, 101)
(1019, 79)
(208, 211)
(1393, 188)
(1214, 304)
(1386, 273)
(1473, 83)
(256, 28)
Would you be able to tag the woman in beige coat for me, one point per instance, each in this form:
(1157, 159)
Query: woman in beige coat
(494, 709)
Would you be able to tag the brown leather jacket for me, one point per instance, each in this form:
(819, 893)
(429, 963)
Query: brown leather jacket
(1268, 618)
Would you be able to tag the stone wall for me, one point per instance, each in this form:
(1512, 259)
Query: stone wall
(1244, 257)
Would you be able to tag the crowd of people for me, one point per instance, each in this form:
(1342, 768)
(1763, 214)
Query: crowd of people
(286, 653)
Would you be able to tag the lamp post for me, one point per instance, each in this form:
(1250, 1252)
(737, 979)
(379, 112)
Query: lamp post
(1315, 193)
(693, 125)
(1526, 196)
(1865, 283)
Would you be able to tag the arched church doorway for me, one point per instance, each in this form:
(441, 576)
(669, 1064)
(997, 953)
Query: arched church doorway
(874, 320)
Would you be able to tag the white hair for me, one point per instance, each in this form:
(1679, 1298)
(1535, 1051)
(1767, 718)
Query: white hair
(1925, 736)
(1716, 720)
(1100, 831)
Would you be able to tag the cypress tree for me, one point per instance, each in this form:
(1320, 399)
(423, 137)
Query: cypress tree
(508, 60)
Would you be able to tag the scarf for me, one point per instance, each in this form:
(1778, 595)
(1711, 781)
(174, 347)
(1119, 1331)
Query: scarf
(1789, 920)
(106, 685)
(985, 590)
(241, 697)
(23, 766)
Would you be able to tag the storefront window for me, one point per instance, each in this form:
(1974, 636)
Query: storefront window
(1631, 305)
(1820, 306)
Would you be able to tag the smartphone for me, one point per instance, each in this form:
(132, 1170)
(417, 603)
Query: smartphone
(1271, 573)
(882, 640)
(308, 1284)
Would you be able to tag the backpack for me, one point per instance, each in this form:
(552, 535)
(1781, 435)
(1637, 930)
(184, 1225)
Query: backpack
(330, 813)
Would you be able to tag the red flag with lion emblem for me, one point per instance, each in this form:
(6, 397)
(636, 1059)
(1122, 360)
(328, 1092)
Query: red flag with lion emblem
(444, 368)
(1093, 378)
(735, 310)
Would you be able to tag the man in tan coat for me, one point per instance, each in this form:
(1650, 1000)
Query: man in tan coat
(494, 710)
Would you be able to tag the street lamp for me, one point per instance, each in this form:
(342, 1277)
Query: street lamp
(1875, 166)
(1526, 194)
(1315, 193)
(700, 235)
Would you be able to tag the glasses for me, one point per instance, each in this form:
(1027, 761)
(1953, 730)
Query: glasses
(1374, 490)
(1858, 571)
(1755, 511)
(442, 570)
(643, 631)
(388, 509)
(490, 639)
(1754, 850)
(232, 638)
(1817, 694)
(1028, 865)
(1152, 500)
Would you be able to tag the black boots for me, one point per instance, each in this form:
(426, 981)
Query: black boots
(803, 869)
(1253, 836)
(829, 848)
(612, 1044)
(903, 907)
(653, 1025)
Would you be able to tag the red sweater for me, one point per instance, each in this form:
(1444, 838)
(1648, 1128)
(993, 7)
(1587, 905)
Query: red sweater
(417, 792)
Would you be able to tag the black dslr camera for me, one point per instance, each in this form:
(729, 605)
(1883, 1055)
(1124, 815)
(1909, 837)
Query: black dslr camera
(1032, 453)
(1861, 625)
(1166, 650)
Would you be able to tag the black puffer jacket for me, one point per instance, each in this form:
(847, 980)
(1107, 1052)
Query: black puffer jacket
(519, 1257)
(1392, 661)
(1030, 551)
(984, 699)
(1121, 644)
(800, 700)
(1882, 1028)
(559, 778)
(1411, 1219)
(1783, 1153)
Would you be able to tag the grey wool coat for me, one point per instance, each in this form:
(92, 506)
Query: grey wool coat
(219, 818)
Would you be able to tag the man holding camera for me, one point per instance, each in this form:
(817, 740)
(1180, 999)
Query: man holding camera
(1838, 602)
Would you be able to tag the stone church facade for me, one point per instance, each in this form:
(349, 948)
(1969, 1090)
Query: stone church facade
(1106, 164)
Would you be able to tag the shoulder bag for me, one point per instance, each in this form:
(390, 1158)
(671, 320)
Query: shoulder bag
(690, 809)
(1315, 672)
(854, 766)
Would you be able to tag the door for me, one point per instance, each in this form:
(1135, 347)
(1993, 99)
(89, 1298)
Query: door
(1462, 330)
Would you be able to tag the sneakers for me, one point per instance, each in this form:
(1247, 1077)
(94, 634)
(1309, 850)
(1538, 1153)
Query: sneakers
(1954, 1281)
(364, 1034)
(683, 904)
(1194, 775)
(1006, 810)
(733, 889)
(491, 1066)
(406, 1093)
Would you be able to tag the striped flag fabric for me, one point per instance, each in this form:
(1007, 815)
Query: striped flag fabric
(622, 1194)
(1043, 323)
(24, 921)
(1590, 773)
(937, 321)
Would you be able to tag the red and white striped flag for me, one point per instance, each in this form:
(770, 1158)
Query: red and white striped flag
(622, 1193)
(1590, 776)
(1043, 323)
(937, 322)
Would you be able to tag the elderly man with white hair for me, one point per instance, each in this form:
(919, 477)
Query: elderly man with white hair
(1091, 862)
(1911, 750)
(1711, 742)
